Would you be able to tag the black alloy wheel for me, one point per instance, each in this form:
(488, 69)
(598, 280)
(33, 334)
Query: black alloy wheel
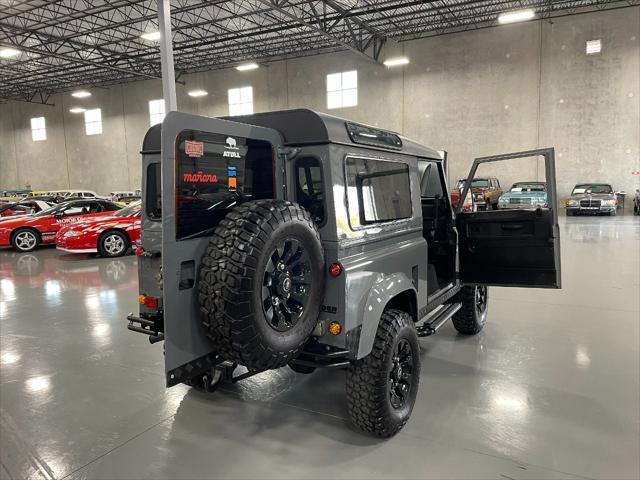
(286, 288)
(401, 374)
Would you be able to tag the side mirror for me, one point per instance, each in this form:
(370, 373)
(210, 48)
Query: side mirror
(59, 215)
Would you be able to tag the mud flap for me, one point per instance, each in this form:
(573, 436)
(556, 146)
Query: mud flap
(188, 351)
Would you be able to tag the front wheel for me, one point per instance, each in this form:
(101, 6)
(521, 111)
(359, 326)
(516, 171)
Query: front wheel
(113, 244)
(470, 319)
(25, 240)
(382, 387)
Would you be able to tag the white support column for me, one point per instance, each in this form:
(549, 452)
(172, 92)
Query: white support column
(166, 56)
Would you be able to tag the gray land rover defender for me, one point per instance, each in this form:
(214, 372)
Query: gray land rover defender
(302, 239)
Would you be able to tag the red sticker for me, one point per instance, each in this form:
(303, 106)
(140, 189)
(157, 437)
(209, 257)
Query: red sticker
(193, 148)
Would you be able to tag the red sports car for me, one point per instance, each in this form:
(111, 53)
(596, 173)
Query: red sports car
(24, 233)
(110, 236)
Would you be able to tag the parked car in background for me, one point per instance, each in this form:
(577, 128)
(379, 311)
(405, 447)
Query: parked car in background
(25, 233)
(524, 195)
(123, 198)
(44, 198)
(467, 206)
(110, 236)
(486, 192)
(23, 207)
(15, 193)
(69, 194)
(591, 199)
(113, 196)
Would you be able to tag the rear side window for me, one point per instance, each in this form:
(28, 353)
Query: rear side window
(215, 173)
(310, 187)
(377, 191)
(153, 200)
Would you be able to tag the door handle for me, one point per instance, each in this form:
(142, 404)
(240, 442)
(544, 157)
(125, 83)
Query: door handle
(511, 226)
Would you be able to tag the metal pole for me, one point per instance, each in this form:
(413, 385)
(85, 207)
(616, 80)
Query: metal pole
(166, 56)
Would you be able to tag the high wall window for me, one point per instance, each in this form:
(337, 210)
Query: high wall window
(38, 129)
(342, 89)
(156, 111)
(241, 101)
(93, 121)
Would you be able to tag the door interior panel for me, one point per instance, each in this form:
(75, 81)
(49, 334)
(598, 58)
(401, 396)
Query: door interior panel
(511, 248)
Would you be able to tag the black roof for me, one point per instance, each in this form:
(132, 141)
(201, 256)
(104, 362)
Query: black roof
(306, 127)
(303, 126)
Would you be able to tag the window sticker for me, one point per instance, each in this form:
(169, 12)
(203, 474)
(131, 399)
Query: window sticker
(193, 148)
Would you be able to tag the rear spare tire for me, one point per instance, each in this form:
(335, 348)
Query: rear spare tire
(261, 283)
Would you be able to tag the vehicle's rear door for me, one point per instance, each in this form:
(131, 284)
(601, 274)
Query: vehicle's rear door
(519, 247)
(208, 166)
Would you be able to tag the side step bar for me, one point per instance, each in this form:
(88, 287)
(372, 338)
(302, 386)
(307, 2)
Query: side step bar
(430, 327)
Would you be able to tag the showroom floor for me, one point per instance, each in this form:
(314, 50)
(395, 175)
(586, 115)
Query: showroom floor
(550, 389)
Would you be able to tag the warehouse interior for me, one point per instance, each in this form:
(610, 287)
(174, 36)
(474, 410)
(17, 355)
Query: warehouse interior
(549, 389)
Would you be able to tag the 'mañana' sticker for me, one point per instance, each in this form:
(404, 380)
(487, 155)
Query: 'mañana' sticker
(193, 148)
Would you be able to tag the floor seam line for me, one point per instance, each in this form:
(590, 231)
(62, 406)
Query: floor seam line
(116, 447)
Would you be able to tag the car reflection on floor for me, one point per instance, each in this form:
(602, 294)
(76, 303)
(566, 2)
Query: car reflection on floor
(71, 271)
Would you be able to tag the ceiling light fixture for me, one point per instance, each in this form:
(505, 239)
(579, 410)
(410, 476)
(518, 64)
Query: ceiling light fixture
(151, 36)
(8, 52)
(396, 62)
(81, 94)
(516, 16)
(247, 66)
(197, 93)
(77, 110)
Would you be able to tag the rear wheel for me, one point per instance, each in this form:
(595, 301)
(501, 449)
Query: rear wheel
(113, 244)
(470, 319)
(25, 240)
(382, 387)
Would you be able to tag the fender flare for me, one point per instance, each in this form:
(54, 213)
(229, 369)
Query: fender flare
(382, 291)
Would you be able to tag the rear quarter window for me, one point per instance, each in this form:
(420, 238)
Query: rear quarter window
(378, 191)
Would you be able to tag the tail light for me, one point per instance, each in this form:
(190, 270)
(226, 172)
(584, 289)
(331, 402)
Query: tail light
(149, 302)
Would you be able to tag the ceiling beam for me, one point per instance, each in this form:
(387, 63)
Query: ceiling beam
(352, 33)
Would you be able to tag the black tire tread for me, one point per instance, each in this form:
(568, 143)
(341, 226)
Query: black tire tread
(367, 388)
(226, 279)
(465, 320)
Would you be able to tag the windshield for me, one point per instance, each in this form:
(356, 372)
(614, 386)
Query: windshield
(475, 183)
(132, 210)
(592, 188)
(528, 187)
(51, 211)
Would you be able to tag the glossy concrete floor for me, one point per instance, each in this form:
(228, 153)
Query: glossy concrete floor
(550, 389)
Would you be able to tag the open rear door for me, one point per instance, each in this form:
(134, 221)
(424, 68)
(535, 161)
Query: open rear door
(511, 247)
(208, 166)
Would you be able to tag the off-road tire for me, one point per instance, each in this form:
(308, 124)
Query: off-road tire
(368, 379)
(19, 246)
(304, 369)
(230, 283)
(103, 249)
(470, 319)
